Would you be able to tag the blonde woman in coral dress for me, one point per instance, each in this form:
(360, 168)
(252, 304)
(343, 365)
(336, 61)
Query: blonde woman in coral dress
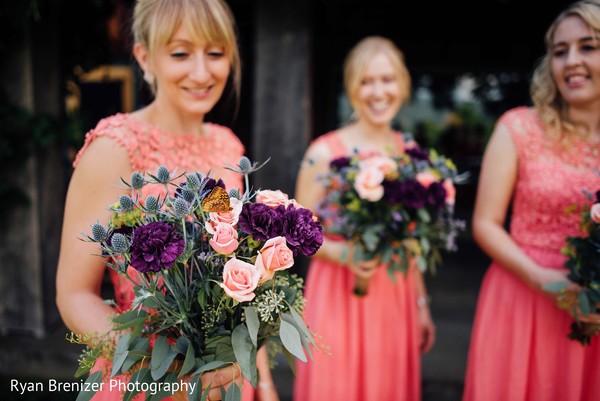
(371, 344)
(188, 52)
(542, 158)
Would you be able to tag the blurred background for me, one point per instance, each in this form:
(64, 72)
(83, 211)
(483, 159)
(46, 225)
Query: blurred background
(64, 64)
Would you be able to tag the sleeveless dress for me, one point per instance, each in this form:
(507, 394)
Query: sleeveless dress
(519, 347)
(150, 147)
(370, 343)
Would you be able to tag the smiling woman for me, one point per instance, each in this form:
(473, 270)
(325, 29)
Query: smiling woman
(188, 52)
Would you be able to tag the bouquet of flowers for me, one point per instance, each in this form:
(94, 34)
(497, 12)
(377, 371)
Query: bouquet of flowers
(583, 263)
(211, 287)
(398, 208)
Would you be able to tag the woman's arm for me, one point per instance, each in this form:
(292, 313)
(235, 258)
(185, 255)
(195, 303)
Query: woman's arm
(496, 185)
(94, 185)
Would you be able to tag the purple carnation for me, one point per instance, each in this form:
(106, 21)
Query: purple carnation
(303, 234)
(436, 195)
(258, 220)
(210, 183)
(409, 193)
(339, 163)
(155, 247)
(418, 153)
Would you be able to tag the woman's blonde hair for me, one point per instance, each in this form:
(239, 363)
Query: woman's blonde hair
(544, 92)
(362, 53)
(155, 22)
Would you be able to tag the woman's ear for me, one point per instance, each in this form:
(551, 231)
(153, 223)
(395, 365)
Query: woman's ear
(141, 55)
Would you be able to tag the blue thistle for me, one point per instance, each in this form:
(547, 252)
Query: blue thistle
(193, 182)
(137, 180)
(181, 207)
(235, 193)
(99, 232)
(188, 195)
(245, 164)
(151, 204)
(163, 174)
(126, 203)
(119, 243)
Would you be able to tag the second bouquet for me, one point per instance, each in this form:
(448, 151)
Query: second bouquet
(398, 208)
(208, 267)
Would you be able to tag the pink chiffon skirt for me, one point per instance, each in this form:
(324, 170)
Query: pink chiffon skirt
(519, 347)
(370, 344)
(112, 393)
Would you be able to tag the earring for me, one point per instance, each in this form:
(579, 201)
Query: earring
(149, 78)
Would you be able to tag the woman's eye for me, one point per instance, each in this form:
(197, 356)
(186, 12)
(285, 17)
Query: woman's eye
(216, 53)
(559, 53)
(588, 48)
(179, 55)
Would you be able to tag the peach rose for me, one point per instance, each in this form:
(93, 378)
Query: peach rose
(273, 256)
(383, 163)
(271, 198)
(231, 217)
(225, 239)
(240, 279)
(595, 213)
(368, 184)
(450, 191)
(426, 178)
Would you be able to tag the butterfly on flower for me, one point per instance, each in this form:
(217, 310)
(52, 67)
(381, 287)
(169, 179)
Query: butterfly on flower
(216, 201)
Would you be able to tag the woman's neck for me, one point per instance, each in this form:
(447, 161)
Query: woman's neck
(168, 118)
(589, 116)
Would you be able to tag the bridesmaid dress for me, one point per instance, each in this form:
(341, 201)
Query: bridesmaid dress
(150, 147)
(519, 347)
(370, 344)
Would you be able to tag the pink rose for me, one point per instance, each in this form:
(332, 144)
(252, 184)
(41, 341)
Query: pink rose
(225, 239)
(368, 184)
(450, 191)
(240, 279)
(231, 217)
(271, 198)
(595, 213)
(383, 163)
(426, 178)
(273, 256)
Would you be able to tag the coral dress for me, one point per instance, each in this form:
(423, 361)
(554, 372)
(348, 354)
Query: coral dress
(371, 342)
(519, 348)
(150, 147)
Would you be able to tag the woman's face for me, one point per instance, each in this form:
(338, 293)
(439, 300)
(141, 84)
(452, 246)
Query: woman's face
(575, 62)
(190, 76)
(378, 97)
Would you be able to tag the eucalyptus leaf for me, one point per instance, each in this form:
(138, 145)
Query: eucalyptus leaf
(93, 381)
(555, 287)
(120, 354)
(234, 393)
(584, 304)
(252, 322)
(162, 357)
(300, 323)
(189, 361)
(291, 340)
(211, 366)
(140, 376)
(424, 215)
(163, 392)
(245, 353)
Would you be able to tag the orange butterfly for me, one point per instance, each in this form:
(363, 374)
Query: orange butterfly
(216, 201)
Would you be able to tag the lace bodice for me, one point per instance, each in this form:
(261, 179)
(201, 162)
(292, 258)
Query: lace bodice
(550, 182)
(150, 147)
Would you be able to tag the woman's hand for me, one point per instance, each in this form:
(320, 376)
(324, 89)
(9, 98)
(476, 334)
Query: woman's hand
(426, 329)
(221, 378)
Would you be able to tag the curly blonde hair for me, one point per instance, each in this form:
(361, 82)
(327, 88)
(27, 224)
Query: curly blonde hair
(155, 22)
(544, 92)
